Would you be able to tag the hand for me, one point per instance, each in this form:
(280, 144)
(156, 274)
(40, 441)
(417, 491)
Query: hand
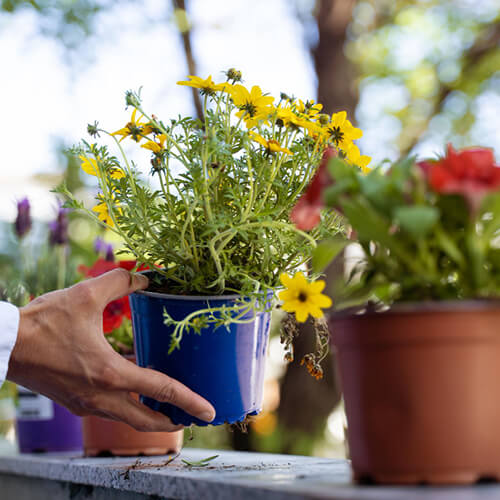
(61, 352)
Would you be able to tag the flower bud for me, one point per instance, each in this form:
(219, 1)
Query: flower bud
(23, 220)
(233, 74)
(324, 119)
(132, 99)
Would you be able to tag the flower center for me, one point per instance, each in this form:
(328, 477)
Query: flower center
(337, 134)
(250, 108)
(302, 297)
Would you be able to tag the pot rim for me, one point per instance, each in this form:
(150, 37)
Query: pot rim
(423, 307)
(171, 296)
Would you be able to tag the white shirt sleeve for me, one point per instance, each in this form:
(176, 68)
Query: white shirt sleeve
(9, 325)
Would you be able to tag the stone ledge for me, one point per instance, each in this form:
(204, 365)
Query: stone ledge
(232, 476)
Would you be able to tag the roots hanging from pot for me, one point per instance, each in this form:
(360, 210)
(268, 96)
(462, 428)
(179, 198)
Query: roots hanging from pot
(243, 425)
(312, 361)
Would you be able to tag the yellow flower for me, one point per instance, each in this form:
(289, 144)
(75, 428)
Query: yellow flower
(341, 131)
(354, 157)
(89, 166)
(285, 117)
(156, 147)
(135, 129)
(265, 423)
(103, 213)
(303, 297)
(253, 105)
(206, 86)
(272, 146)
(308, 108)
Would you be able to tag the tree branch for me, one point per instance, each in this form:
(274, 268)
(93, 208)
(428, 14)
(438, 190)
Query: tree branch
(188, 52)
(471, 59)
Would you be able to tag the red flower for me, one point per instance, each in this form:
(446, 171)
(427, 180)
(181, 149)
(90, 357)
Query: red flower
(471, 173)
(115, 311)
(306, 214)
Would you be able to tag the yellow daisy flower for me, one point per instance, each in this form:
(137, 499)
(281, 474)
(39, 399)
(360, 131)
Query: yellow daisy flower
(134, 128)
(285, 117)
(253, 105)
(354, 157)
(206, 86)
(308, 108)
(89, 166)
(103, 213)
(154, 146)
(272, 146)
(303, 297)
(341, 131)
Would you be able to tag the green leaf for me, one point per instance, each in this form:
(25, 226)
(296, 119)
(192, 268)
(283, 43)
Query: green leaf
(367, 222)
(200, 463)
(326, 251)
(416, 220)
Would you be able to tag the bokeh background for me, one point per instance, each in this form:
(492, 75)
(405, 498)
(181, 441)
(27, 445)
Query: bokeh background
(413, 75)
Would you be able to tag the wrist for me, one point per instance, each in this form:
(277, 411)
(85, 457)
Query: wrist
(19, 362)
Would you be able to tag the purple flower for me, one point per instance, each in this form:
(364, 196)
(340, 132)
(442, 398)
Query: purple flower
(23, 219)
(101, 247)
(58, 229)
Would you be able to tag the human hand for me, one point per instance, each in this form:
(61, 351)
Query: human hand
(61, 352)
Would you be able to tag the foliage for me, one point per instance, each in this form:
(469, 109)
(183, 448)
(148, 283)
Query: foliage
(426, 71)
(37, 260)
(219, 221)
(428, 231)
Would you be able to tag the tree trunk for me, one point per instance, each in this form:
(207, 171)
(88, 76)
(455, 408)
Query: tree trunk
(305, 402)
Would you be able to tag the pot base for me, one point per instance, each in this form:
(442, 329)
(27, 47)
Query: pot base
(452, 477)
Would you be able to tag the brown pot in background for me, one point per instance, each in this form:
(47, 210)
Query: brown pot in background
(421, 386)
(107, 437)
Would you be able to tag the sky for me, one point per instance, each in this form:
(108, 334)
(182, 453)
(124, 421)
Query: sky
(45, 99)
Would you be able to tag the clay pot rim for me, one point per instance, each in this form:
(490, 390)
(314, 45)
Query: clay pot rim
(423, 307)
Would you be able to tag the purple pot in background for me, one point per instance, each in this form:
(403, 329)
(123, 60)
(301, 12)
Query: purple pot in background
(44, 426)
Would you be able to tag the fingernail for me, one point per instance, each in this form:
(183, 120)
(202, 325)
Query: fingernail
(143, 280)
(206, 416)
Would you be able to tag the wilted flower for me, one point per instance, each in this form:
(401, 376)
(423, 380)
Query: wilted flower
(23, 220)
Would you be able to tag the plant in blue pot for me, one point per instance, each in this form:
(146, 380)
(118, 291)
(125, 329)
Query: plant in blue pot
(212, 222)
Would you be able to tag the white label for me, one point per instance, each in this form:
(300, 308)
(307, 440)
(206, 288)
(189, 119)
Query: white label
(33, 406)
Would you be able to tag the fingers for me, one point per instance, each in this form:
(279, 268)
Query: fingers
(123, 407)
(161, 387)
(116, 284)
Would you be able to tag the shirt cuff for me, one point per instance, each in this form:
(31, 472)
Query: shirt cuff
(9, 318)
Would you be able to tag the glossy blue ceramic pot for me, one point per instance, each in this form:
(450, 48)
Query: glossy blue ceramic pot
(224, 366)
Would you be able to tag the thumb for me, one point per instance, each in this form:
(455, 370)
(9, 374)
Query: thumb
(116, 284)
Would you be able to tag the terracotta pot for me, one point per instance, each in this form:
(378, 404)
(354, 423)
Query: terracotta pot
(107, 437)
(421, 389)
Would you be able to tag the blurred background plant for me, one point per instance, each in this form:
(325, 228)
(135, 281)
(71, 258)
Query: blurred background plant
(415, 74)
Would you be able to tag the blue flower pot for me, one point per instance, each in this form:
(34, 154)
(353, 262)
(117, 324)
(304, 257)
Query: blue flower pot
(225, 367)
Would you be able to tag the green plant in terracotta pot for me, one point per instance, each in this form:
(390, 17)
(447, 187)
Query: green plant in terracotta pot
(212, 223)
(416, 330)
(101, 436)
